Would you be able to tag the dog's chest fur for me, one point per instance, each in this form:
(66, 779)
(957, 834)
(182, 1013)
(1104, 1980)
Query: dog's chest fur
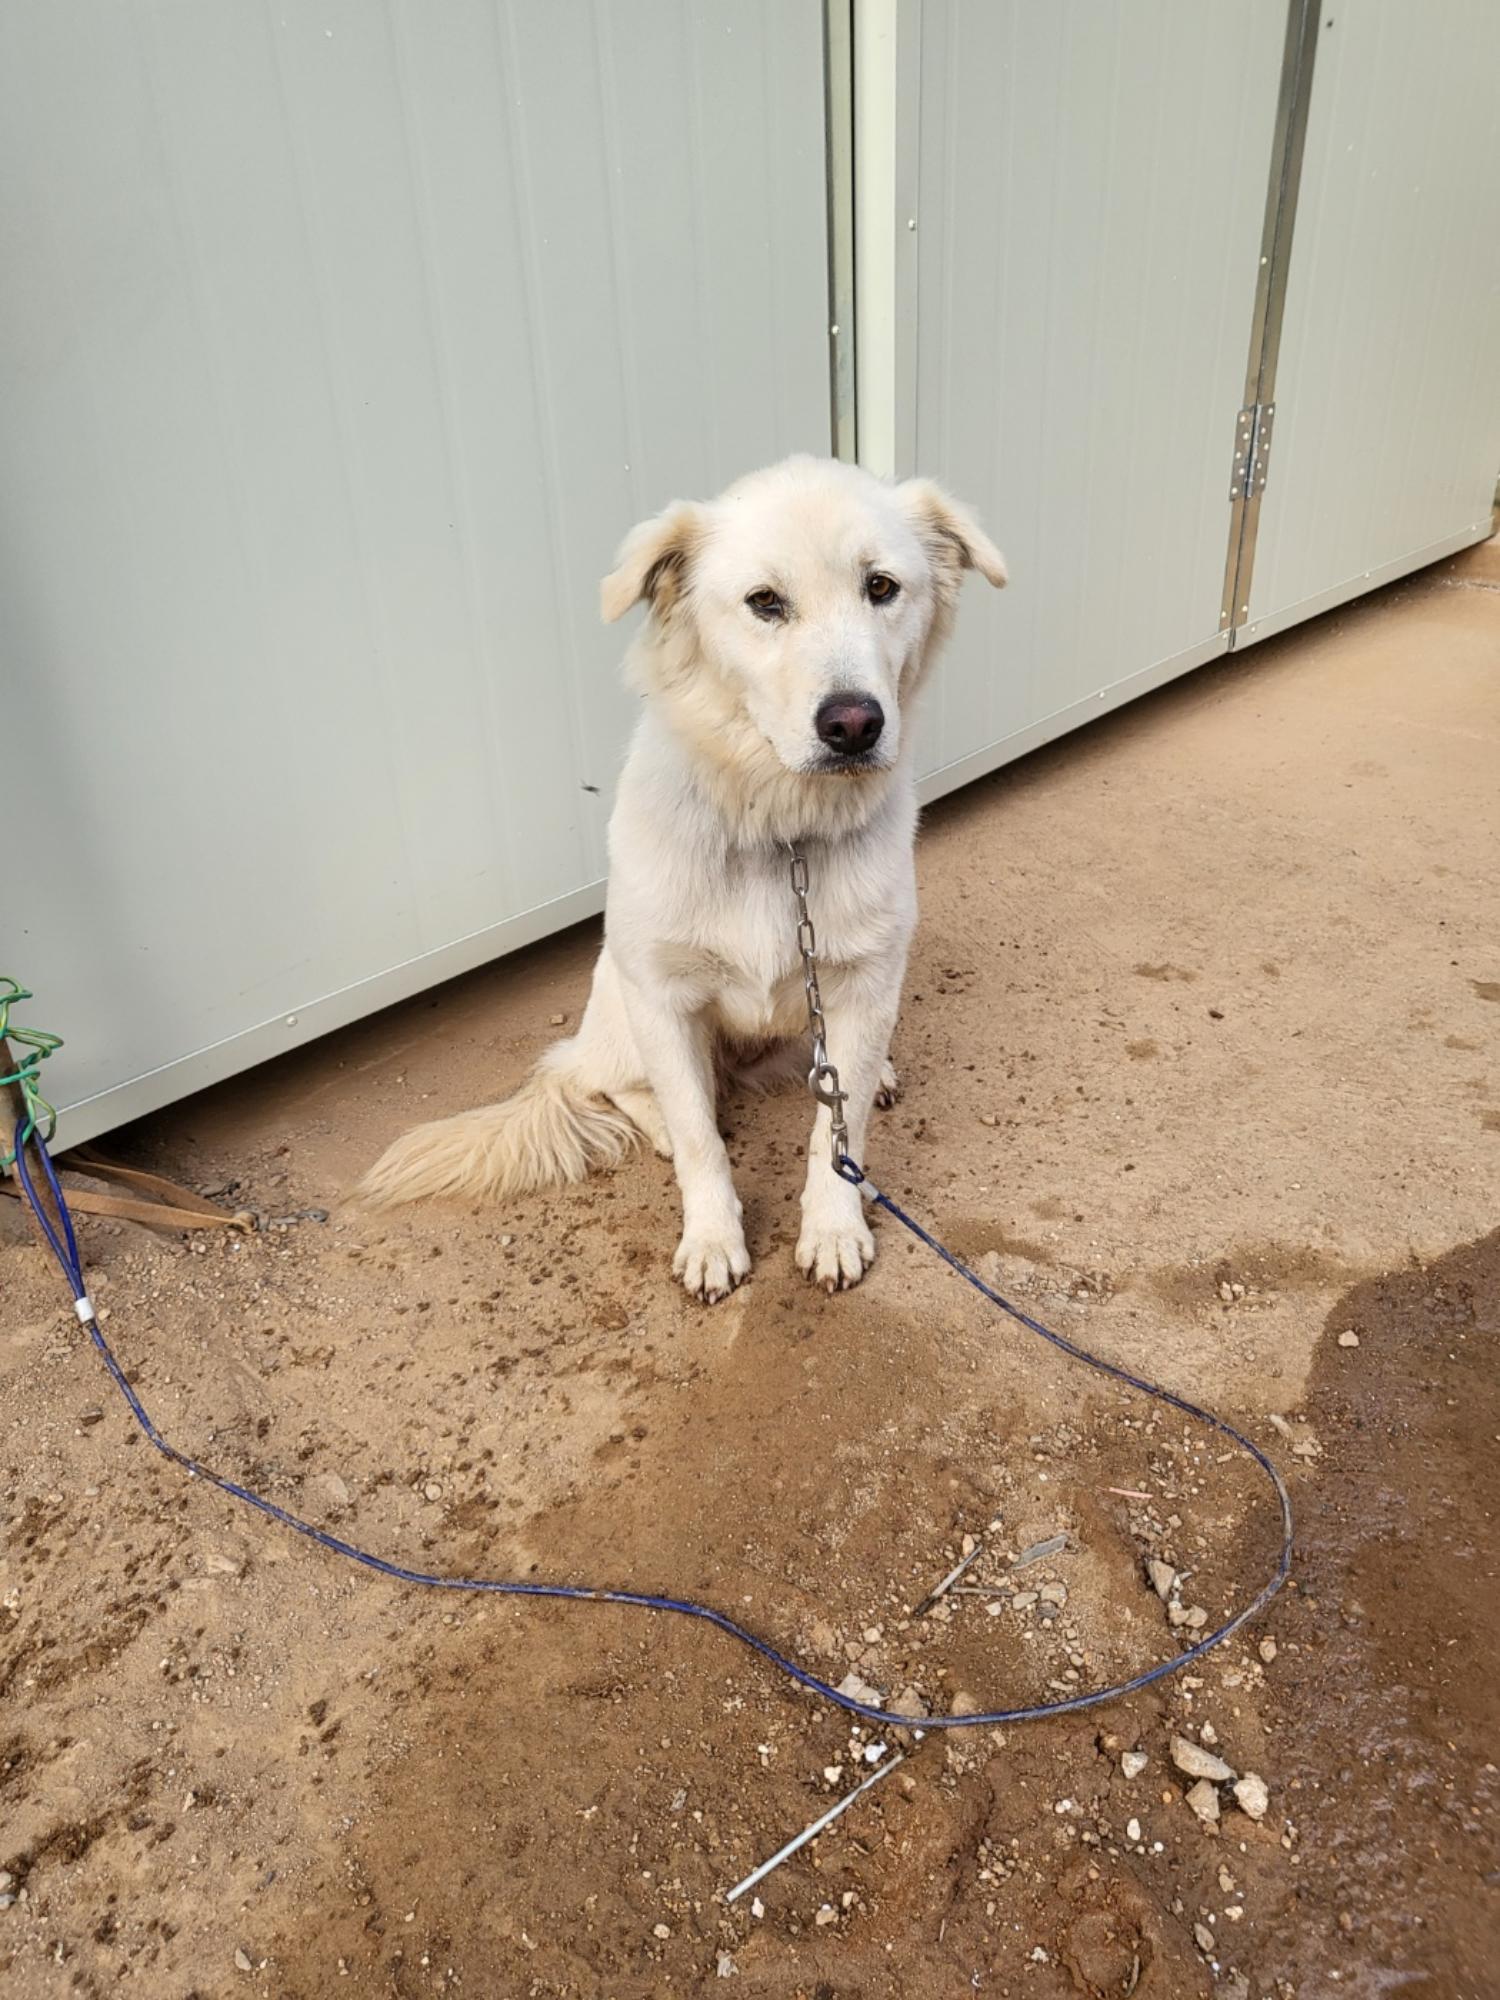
(696, 911)
(724, 935)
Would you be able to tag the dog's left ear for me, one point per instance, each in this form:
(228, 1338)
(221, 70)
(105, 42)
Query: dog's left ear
(953, 537)
(652, 562)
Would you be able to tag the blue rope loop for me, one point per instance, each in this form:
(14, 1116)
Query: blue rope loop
(64, 1247)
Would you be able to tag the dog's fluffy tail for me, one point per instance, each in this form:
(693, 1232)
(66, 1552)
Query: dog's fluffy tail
(551, 1130)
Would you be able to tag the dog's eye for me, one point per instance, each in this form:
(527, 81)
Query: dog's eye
(766, 604)
(882, 589)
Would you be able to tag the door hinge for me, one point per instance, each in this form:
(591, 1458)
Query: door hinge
(1252, 448)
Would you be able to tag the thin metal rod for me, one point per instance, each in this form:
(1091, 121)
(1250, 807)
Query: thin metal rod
(812, 1832)
(942, 1589)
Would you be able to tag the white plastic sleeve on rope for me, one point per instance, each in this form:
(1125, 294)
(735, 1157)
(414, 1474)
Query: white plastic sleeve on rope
(84, 1308)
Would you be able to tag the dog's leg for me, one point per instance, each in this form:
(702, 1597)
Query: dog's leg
(643, 1111)
(835, 1247)
(889, 1087)
(678, 1053)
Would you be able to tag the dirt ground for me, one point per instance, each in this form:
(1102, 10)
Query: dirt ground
(1201, 1055)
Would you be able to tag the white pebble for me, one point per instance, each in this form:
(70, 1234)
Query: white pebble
(1133, 1763)
(1349, 1338)
(1197, 1762)
(1132, 1830)
(1252, 1795)
(1203, 1799)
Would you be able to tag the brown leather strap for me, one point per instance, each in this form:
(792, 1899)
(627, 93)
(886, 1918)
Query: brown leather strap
(171, 1206)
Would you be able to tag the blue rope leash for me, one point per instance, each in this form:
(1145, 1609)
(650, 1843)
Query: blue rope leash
(64, 1247)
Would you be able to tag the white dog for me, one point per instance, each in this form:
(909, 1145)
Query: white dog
(790, 622)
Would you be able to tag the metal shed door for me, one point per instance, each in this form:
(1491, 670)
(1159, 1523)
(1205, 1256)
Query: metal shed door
(1069, 238)
(1386, 438)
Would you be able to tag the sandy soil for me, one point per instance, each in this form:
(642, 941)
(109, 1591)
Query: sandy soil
(1200, 1054)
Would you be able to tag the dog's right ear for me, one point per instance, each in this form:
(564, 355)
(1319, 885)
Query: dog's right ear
(652, 562)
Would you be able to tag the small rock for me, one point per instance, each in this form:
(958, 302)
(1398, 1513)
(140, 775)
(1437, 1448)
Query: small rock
(1226, 1882)
(1023, 1600)
(1054, 1593)
(822, 1637)
(557, 1020)
(871, 1635)
(1163, 1577)
(1205, 1939)
(242, 1960)
(827, 1915)
(1193, 1616)
(661, 1930)
(7, 1898)
(832, 1773)
(1252, 1795)
(963, 1703)
(335, 1488)
(1039, 1551)
(1132, 1830)
(1203, 1799)
(858, 1690)
(988, 1118)
(1133, 1763)
(7, 1880)
(432, 1490)
(757, 1907)
(1268, 1650)
(1208, 1734)
(1226, 1291)
(1349, 1338)
(727, 1966)
(1196, 1762)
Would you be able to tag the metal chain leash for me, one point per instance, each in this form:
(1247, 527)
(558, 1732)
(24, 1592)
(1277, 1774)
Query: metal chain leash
(822, 1078)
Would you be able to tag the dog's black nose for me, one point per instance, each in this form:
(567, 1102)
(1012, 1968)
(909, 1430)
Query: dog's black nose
(850, 723)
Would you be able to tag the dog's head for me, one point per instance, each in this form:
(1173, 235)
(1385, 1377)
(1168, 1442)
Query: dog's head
(805, 603)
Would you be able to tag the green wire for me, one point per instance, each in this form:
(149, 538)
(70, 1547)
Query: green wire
(38, 1044)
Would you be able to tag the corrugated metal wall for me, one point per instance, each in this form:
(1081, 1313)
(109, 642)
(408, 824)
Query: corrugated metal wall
(1073, 307)
(1387, 432)
(340, 346)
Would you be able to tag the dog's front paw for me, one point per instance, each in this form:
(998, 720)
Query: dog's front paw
(711, 1263)
(889, 1087)
(835, 1253)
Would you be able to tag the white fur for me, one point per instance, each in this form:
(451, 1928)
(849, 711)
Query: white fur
(725, 769)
